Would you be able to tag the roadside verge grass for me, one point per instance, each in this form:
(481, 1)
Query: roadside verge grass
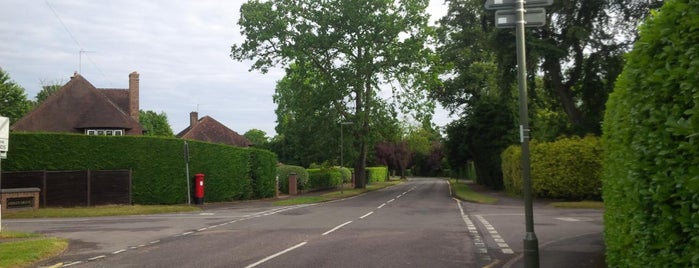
(24, 249)
(579, 204)
(334, 195)
(461, 191)
(98, 211)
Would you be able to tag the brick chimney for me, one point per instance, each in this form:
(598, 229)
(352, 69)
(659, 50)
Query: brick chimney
(193, 119)
(133, 95)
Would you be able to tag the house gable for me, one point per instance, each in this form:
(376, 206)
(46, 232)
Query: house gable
(210, 130)
(76, 107)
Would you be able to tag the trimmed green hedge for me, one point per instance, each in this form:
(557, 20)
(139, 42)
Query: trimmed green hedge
(569, 168)
(377, 174)
(651, 146)
(301, 177)
(157, 163)
(323, 178)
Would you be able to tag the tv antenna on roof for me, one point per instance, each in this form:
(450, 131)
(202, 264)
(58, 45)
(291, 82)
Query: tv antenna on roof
(80, 60)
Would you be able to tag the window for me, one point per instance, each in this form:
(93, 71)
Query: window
(105, 132)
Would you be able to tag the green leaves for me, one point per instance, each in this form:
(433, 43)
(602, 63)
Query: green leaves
(651, 157)
(13, 100)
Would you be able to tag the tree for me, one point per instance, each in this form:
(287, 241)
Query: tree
(47, 88)
(13, 100)
(353, 46)
(580, 52)
(155, 124)
(257, 137)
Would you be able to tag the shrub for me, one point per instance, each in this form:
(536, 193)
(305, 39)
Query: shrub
(157, 164)
(301, 177)
(651, 146)
(569, 168)
(319, 179)
(377, 174)
(346, 174)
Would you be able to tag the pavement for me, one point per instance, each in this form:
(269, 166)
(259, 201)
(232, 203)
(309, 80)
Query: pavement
(582, 250)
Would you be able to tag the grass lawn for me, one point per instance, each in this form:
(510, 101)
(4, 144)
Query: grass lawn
(25, 249)
(339, 194)
(98, 211)
(461, 191)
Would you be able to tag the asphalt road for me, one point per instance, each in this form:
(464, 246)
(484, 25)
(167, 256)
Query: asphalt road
(415, 224)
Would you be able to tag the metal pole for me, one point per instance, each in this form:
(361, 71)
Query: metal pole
(531, 243)
(186, 167)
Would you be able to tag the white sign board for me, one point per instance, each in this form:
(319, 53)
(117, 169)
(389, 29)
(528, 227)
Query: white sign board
(4, 134)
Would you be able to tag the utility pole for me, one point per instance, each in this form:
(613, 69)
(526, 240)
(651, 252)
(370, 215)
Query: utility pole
(516, 14)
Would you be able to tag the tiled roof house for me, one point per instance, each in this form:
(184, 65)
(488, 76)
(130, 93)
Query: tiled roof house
(210, 130)
(80, 107)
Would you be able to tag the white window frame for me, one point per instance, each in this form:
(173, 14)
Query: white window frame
(104, 132)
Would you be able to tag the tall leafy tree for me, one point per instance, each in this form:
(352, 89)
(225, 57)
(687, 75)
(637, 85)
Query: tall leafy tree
(13, 100)
(580, 52)
(156, 124)
(47, 88)
(354, 46)
(257, 137)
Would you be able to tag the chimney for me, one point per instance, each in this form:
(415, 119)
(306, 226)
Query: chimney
(193, 119)
(133, 95)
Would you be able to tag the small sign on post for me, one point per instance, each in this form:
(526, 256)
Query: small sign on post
(533, 17)
(4, 136)
(510, 4)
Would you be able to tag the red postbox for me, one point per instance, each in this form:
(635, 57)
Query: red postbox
(199, 189)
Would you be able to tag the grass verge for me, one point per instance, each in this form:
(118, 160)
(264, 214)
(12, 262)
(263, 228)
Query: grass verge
(579, 204)
(339, 194)
(461, 191)
(26, 249)
(98, 211)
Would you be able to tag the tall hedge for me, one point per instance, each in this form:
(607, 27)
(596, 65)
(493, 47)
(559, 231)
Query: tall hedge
(323, 178)
(283, 172)
(157, 163)
(377, 174)
(650, 137)
(569, 168)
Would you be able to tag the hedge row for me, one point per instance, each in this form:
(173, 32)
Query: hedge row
(157, 163)
(323, 178)
(569, 168)
(377, 174)
(651, 146)
(283, 172)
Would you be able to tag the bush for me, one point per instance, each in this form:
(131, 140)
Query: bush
(319, 179)
(346, 174)
(377, 174)
(568, 168)
(651, 146)
(157, 164)
(301, 177)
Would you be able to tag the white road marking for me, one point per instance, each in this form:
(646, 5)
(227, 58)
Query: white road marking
(276, 255)
(389, 201)
(366, 215)
(96, 257)
(504, 247)
(72, 263)
(381, 205)
(477, 240)
(118, 251)
(337, 227)
(571, 219)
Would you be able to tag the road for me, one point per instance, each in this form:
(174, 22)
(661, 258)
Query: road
(415, 224)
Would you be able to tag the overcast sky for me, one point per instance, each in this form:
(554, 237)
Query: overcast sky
(180, 49)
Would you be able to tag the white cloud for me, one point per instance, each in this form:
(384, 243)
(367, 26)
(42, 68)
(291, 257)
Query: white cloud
(180, 48)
